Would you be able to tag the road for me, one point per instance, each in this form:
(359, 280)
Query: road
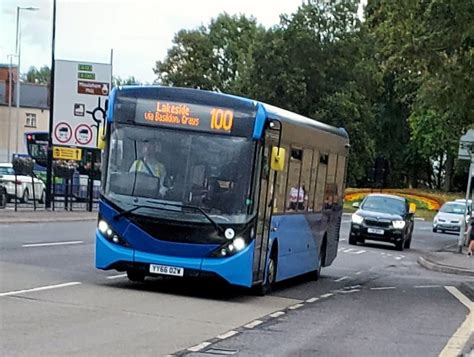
(373, 301)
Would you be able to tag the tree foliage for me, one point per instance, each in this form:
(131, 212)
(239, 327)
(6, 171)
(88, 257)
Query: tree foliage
(400, 81)
(38, 76)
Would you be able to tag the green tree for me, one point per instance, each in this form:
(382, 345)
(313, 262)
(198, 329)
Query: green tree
(119, 81)
(216, 57)
(38, 76)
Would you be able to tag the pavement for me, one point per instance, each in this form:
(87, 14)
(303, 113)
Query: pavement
(43, 216)
(448, 261)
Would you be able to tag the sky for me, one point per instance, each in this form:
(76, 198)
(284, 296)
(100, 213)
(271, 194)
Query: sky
(139, 31)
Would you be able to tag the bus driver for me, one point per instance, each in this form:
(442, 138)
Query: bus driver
(148, 163)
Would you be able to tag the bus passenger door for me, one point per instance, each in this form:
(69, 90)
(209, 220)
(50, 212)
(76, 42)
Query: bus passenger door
(264, 215)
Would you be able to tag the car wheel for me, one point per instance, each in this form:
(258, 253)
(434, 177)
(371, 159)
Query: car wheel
(26, 196)
(42, 198)
(435, 230)
(136, 276)
(407, 243)
(443, 231)
(399, 245)
(266, 287)
(352, 240)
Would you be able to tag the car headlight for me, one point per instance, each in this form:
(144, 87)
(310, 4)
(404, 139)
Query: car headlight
(398, 224)
(109, 234)
(357, 219)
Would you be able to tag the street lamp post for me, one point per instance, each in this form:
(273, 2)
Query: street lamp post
(18, 54)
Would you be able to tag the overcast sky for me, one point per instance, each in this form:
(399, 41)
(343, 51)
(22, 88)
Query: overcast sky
(139, 31)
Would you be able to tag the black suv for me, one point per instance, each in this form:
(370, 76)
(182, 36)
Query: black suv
(383, 218)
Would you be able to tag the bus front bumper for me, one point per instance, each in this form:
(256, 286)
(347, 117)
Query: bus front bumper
(236, 270)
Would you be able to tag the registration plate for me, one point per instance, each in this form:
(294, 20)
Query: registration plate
(166, 270)
(375, 231)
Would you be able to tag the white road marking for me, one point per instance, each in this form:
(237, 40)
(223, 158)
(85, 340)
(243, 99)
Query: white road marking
(360, 251)
(277, 314)
(359, 272)
(426, 286)
(227, 335)
(326, 295)
(41, 288)
(341, 279)
(199, 347)
(31, 245)
(297, 306)
(253, 324)
(384, 288)
(457, 342)
(117, 276)
(314, 299)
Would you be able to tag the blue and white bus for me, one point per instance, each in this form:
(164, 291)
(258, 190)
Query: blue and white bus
(203, 184)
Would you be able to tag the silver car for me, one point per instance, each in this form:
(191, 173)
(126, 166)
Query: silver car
(450, 216)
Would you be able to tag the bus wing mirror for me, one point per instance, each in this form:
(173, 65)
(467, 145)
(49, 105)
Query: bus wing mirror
(412, 208)
(278, 158)
(101, 139)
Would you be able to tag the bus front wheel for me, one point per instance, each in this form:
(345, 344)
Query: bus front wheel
(266, 287)
(136, 276)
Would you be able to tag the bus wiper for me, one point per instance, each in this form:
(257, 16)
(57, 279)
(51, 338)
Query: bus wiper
(218, 228)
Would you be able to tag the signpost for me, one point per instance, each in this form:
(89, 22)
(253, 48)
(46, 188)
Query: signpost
(79, 102)
(466, 152)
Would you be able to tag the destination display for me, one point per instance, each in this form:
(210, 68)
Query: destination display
(193, 117)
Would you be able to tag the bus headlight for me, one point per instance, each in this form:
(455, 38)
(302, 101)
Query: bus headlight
(109, 234)
(232, 247)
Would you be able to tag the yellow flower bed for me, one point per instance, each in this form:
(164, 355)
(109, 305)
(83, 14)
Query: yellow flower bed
(422, 200)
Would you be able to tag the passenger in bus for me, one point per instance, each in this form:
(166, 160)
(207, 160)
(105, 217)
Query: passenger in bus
(297, 198)
(149, 164)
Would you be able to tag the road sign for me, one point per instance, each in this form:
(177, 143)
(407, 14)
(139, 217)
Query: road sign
(65, 153)
(81, 90)
(466, 146)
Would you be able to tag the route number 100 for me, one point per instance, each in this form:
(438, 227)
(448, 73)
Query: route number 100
(222, 119)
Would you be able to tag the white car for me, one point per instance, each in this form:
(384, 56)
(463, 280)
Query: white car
(450, 216)
(24, 187)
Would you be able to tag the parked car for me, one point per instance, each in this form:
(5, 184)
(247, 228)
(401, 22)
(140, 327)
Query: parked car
(3, 196)
(450, 216)
(24, 186)
(383, 218)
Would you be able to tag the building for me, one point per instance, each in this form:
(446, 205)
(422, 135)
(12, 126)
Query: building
(32, 116)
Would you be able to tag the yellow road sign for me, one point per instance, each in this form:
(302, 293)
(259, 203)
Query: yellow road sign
(64, 153)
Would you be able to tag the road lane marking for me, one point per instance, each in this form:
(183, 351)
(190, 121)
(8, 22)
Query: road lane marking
(457, 342)
(31, 245)
(227, 335)
(41, 288)
(294, 307)
(117, 276)
(253, 324)
(426, 286)
(341, 279)
(360, 251)
(359, 272)
(199, 347)
(326, 295)
(277, 314)
(312, 299)
(384, 288)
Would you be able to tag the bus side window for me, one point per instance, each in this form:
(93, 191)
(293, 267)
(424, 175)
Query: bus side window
(330, 194)
(320, 183)
(312, 181)
(305, 180)
(295, 192)
(340, 178)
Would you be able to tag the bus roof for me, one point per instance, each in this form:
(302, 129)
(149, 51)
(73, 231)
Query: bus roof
(197, 95)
